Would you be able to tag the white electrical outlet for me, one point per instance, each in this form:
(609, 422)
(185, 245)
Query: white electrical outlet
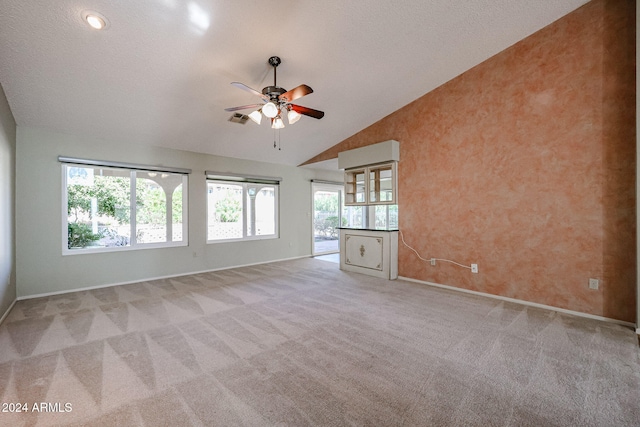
(433, 261)
(594, 283)
(474, 268)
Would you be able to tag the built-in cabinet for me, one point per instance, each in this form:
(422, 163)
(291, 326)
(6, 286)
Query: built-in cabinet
(371, 185)
(372, 252)
(370, 178)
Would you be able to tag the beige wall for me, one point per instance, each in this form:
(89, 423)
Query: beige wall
(7, 206)
(525, 165)
(40, 265)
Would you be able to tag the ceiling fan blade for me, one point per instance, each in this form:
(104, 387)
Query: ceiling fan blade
(295, 93)
(316, 114)
(244, 107)
(251, 90)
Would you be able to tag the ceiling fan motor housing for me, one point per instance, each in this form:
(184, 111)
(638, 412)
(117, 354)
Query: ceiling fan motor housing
(273, 92)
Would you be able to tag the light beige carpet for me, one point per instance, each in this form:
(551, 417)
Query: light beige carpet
(302, 343)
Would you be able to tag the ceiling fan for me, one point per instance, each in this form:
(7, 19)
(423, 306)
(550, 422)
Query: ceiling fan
(276, 101)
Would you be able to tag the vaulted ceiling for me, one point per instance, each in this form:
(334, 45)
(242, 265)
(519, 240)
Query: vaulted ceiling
(160, 72)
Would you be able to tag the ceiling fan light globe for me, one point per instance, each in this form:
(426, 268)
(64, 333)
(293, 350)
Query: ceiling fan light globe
(277, 123)
(256, 116)
(270, 110)
(293, 116)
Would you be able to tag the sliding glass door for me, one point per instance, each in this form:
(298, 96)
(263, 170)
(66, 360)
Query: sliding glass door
(327, 203)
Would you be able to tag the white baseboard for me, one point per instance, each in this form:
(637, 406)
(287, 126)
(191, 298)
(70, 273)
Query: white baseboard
(523, 302)
(108, 285)
(6, 313)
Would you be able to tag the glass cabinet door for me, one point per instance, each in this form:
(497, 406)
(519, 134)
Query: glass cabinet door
(382, 184)
(355, 187)
(371, 185)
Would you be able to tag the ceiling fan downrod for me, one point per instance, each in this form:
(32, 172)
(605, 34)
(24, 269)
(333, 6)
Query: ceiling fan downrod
(274, 92)
(274, 61)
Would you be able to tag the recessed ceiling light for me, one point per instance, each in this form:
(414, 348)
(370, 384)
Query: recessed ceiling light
(95, 20)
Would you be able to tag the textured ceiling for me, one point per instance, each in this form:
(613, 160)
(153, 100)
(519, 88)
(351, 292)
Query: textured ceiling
(160, 73)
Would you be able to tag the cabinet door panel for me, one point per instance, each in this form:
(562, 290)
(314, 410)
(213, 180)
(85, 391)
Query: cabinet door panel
(364, 251)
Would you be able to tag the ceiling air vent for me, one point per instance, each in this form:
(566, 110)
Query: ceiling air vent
(239, 118)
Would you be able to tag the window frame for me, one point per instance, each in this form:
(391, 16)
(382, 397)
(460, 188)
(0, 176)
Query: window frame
(132, 169)
(244, 181)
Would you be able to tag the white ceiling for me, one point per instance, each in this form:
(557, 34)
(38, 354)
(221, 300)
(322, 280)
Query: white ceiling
(160, 73)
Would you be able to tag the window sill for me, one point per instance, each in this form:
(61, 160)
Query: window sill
(245, 239)
(139, 247)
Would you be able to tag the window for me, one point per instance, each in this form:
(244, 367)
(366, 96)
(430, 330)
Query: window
(375, 217)
(386, 217)
(355, 216)
(241, 208)
(111, 208)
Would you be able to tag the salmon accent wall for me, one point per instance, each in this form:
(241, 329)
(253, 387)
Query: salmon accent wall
(525, 165)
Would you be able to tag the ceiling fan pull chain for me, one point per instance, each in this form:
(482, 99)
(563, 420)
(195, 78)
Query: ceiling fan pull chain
(274, 138)
(279, 147)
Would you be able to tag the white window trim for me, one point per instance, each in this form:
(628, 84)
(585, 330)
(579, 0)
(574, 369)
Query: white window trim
(244, 180)
(122, 165)
(133, 168)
